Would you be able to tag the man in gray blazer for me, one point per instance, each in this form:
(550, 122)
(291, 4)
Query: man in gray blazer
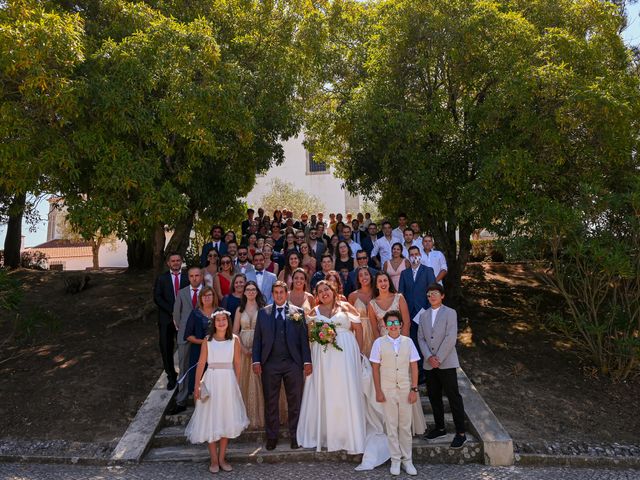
(263, 279)
(186, 301)
(437, 335)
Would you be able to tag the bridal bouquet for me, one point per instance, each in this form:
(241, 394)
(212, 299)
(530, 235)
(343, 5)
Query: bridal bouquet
(324, 333)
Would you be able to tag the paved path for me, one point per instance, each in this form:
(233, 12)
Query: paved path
(296, 471)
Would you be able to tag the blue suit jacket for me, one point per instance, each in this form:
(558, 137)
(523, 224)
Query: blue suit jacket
(296, 335)
(268, 279)
(415, 293)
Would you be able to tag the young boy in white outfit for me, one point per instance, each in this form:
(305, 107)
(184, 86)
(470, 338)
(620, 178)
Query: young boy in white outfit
(394, 359)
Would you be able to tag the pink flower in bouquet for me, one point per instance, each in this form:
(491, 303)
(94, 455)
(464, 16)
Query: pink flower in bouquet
(321, 335)
(325, 326)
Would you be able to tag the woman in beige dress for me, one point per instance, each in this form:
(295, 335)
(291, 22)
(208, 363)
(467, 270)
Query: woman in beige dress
(384, 299)
(360, 299)
(298, 295)
(244, 326)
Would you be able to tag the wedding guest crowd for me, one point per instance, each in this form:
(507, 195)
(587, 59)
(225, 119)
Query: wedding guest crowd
(245, 323)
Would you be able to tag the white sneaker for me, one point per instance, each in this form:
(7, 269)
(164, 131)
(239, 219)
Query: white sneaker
(395, 468)
(409, 468)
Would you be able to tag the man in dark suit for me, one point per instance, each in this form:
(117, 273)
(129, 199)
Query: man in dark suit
(351, 285)
(216, 242)
(413, 285)
(280, 354)
(316, 244)
(247, 222)
(369, 239)
(165, 291)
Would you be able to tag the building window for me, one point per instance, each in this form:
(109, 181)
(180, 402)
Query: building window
(313, 166)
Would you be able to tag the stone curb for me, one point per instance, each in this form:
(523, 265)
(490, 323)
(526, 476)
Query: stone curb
(496, 441)
(576, 461)
(139, 434)
(58, 460)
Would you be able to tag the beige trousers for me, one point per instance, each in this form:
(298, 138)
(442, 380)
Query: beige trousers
(397, 417)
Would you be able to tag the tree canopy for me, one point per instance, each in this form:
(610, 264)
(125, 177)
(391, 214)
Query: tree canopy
(470, 114)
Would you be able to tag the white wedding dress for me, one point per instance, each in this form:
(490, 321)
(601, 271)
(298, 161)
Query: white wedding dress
(332, 415)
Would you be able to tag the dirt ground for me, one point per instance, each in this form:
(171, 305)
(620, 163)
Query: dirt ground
(80, 378)
(532, 379)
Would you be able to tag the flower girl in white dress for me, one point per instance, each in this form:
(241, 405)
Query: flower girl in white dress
(221, 414)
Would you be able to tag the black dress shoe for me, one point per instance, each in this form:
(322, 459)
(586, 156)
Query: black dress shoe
(271, 443)
(171, 384)
(177, 409)
(294, 443)
(458, 441)
(435, 433)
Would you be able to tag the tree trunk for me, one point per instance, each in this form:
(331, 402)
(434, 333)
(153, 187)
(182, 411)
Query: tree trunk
(95, 252)
(179, 241)
(159, 239)
(13, 240)
(140, 253)
(457, 255)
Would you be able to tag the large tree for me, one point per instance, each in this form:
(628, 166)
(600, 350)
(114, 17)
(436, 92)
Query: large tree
(40, 50)
(184, 104)
(469, 114)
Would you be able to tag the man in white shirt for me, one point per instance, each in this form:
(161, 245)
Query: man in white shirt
(382, 246)
(433, 258)
(409, 242)
(398, 232)
(417, 233)
(355, 247)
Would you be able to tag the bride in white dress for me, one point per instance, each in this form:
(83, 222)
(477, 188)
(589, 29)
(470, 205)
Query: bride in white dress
(332, 415)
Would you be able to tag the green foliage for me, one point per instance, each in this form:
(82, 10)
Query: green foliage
(486, 251)
(10, 291)
(37, 322)
(33, 260)
(39, 52)
(496, 114)
(284, 194)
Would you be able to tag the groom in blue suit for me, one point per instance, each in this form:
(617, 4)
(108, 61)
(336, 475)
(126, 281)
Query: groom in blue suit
(414, 283)
(280, 354)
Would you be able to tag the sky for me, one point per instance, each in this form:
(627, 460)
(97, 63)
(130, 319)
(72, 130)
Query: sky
(631, 37)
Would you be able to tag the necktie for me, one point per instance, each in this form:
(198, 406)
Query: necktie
(194, 298)
(176, 283)
(279, 316)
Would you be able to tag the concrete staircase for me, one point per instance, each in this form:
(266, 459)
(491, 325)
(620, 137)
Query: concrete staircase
(169, 444)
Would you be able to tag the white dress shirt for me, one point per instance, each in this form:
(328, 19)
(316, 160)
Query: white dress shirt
(398, 234)
(355, 248)
(259, 279)
(405, 249)
(375, 348)
(435, 259)
(434, 314)
(382, 246)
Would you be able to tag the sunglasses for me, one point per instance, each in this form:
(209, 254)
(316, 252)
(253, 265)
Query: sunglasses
(225, 262)
(392, 323)
(361, 258)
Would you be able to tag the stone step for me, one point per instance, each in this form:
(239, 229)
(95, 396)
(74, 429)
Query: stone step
(435, 451)
(183, 418)
(173, 435)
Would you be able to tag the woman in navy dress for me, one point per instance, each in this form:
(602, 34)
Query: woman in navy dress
(196, 328)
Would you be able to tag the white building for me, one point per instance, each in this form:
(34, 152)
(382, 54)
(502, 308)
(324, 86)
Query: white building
(64, 253)
(304, 173)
